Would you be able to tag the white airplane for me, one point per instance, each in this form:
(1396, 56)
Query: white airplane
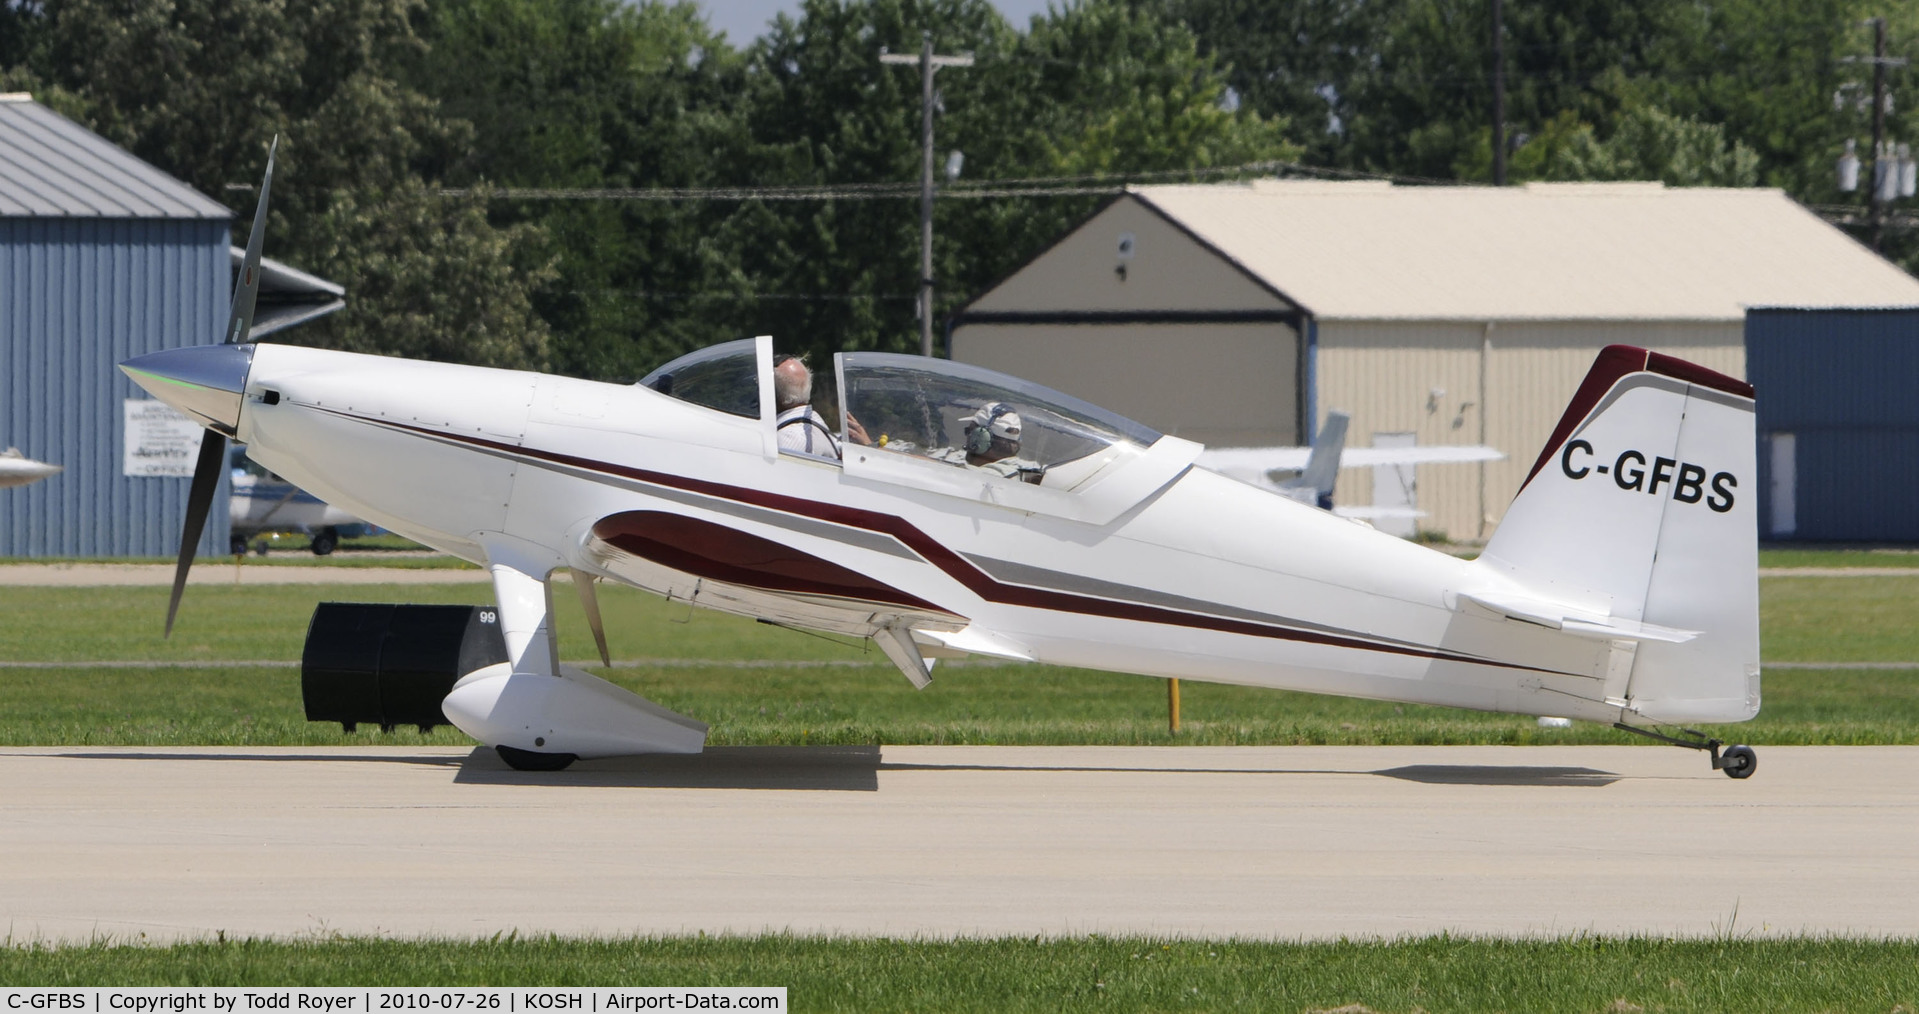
(17, 469)
(1318, 466)
(1621, 588)
(262, 502)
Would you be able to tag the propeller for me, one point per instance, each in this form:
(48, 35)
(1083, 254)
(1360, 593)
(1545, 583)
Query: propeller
(213, 444)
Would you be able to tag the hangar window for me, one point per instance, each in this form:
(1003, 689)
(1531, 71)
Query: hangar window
(724, 377)
(966, 415)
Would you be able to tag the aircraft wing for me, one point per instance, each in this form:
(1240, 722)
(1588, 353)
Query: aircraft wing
(1366, 512)
(1272, 459)
(1437, 454)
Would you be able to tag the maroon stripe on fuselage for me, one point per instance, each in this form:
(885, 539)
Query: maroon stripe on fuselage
(957, 567)
(721, 553)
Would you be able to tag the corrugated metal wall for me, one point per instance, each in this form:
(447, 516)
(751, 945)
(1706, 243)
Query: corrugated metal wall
(77, 296)
(1839, 381)
(1229, 385)
(1385, 372)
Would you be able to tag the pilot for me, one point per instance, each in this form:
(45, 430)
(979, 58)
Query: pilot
(800, 428)
(992, 442)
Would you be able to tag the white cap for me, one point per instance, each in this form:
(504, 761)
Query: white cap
(999, 419)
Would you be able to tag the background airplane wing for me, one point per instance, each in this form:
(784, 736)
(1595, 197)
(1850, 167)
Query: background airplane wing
(1437, 454)
(1255, 459)
(1270, 459)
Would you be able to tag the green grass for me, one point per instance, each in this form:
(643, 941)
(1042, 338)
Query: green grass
(855, 697)
(1825, 619)
(1780, 556)
(1438, 974)
(1898, 556)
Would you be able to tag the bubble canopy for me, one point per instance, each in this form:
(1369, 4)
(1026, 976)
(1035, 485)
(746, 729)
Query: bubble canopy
(916, 422)
(911, 403)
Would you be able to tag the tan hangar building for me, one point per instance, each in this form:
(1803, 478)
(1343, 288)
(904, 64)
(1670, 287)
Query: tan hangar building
(1238, 314)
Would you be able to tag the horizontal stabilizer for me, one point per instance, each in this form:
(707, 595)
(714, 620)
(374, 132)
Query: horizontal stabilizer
(1573, 621)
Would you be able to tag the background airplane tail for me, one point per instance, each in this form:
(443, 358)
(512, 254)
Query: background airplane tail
(1641, 512)
(1315, 484)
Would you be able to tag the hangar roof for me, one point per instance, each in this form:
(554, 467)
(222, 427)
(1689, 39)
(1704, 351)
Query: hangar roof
(1543, 251)
(52, 167)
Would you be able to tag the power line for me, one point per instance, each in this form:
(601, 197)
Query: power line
(729, 295)
(928, 62)
(1032, 186)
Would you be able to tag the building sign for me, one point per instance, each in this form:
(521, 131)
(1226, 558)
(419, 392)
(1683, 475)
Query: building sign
(159, 441)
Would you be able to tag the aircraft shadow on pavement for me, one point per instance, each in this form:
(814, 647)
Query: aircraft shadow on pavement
(1432, 774)
(829, 769)
(1462, 774)
(814, 768)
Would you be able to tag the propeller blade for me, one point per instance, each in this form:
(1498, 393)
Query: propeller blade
(206, 480)
(590, 602)
(213, 445)
(246, 288)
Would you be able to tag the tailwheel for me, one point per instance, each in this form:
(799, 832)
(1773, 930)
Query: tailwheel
(1738, 761)
(533, 760)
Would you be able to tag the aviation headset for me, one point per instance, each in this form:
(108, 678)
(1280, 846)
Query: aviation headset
(979, 435)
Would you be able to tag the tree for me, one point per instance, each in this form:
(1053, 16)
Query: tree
(598, 93)
(198, 86)
(1093, 87)
(1642, 143)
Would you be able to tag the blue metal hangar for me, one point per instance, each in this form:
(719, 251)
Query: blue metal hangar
(1838, 425)
(104, 257)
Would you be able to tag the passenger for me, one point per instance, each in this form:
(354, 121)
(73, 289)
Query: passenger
(992, 442)
(801, 429)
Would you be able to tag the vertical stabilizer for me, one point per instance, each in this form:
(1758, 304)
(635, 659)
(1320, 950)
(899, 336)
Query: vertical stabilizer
(1642, 507)
(1315, 484)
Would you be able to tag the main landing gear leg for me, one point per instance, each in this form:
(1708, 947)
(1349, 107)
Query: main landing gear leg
(1737, 761)
(525, 595)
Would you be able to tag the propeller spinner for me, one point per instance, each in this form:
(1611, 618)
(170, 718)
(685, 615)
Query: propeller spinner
(208, 383)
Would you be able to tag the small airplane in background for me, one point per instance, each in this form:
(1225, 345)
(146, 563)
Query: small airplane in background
(1318, 466)
(1621, 587)
(263, 503)
(17, 469)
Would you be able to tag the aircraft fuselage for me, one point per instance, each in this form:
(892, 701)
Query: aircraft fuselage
(1204, 578)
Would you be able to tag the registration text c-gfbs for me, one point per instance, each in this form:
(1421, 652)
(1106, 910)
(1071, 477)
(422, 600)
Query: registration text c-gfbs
(47, 1001)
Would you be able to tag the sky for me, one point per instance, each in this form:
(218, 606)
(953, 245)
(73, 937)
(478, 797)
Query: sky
(744, 20)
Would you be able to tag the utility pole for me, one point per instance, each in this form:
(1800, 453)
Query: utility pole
(1499, 95)
(1881, 165)
(1888, 178)
(928, 64)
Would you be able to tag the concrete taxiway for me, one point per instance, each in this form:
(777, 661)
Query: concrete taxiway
(1282, 842)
